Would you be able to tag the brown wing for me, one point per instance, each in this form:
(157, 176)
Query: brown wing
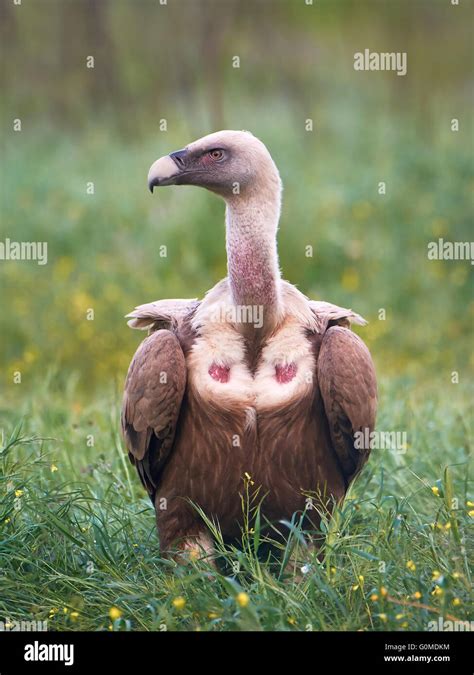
(161, 314)
(152, 398)
(348, 386)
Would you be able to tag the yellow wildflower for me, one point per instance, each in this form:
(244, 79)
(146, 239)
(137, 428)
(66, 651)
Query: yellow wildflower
(242, 599)
(115, 613)
(350, 279)
(179, 602)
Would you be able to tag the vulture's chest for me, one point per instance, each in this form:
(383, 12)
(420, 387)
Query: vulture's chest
(219, 369)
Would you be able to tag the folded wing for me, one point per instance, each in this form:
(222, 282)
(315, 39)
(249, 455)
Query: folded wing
(153, 394)
(348, 386)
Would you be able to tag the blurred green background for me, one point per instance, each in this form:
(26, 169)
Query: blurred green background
(174, 62)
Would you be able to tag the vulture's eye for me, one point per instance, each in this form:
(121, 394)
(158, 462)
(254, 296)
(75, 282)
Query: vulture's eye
(216, 154)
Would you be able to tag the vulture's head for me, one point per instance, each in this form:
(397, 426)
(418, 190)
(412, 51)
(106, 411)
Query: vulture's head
(230, 163)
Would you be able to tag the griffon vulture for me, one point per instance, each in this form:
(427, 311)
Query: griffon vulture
(253, 383)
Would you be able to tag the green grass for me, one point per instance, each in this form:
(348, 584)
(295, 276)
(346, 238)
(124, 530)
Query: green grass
(78, 535)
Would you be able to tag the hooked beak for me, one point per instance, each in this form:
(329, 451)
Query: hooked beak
(166, 170)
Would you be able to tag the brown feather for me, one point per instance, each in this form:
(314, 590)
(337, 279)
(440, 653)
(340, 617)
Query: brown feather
(348, 386)
(152, 399)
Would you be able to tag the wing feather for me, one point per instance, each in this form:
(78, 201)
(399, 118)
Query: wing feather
(348, 386)
(327, 314)
(154, 390)
(161, 314)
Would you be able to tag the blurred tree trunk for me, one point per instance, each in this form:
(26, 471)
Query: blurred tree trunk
(69, 62)
(215, 29)
(8, 27)
(211, 33)
(8, 37)
(104, 86)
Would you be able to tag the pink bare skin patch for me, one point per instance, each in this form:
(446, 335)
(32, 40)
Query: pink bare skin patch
(219, 373)
(285, 374)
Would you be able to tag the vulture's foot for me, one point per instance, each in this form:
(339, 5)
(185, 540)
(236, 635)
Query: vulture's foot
(196, 547)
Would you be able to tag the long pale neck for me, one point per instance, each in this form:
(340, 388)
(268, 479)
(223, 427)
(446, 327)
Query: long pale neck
(252, 258)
